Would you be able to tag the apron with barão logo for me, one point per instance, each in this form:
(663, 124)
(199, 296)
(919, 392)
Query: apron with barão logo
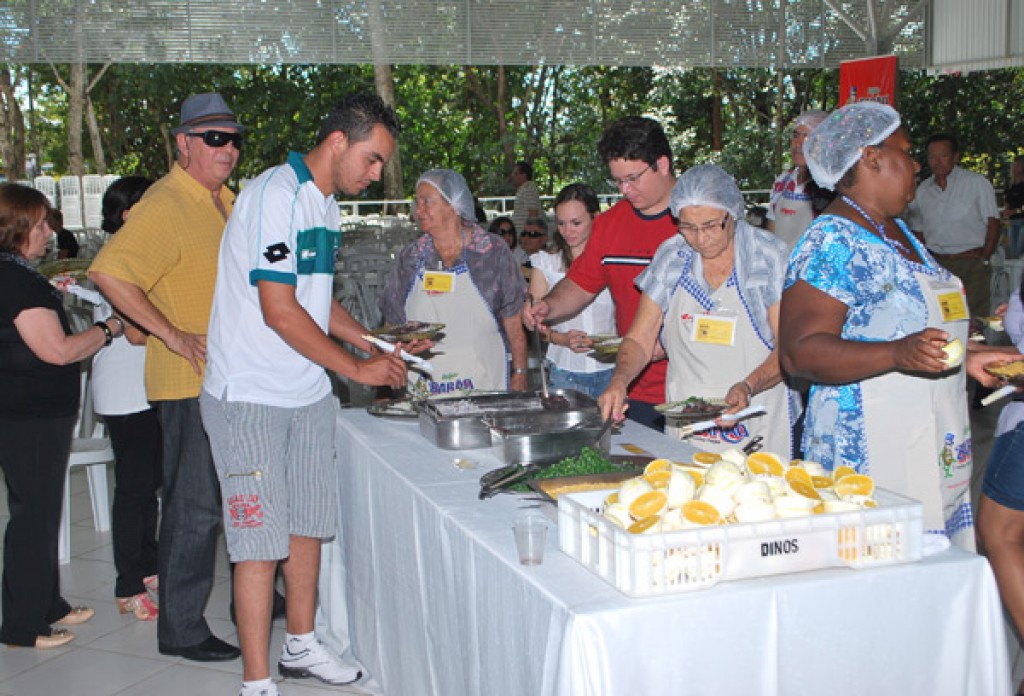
(710, 350)
(471, 355)
(918, 430)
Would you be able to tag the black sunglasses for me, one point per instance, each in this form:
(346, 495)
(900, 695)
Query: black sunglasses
(506, 230)
(216, 138)
(533, 235)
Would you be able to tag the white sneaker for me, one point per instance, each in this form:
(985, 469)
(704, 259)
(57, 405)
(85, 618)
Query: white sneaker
(316, 661)
(266, 691)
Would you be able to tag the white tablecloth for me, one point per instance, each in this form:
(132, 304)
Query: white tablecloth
(427, 586)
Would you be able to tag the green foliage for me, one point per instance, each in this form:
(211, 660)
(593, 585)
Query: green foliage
(555, 115)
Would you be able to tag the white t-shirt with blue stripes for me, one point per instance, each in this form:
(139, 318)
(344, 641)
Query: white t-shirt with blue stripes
(284, 230)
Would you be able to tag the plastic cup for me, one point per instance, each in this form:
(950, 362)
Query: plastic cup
(530, 532)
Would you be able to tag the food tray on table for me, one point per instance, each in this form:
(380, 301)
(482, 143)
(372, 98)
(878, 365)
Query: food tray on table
(692, 409)
(458, 422)
(393, 408)
(409, 331)
(606, 345)
(642, 565)
(1010, 371)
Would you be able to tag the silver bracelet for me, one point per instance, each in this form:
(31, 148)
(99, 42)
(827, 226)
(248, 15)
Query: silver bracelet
(519, 370)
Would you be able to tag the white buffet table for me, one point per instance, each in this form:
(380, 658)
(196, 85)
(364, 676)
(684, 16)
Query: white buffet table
(427, 587)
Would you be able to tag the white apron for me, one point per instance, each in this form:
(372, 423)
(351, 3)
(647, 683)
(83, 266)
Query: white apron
(698, 366)
(924, 422)
(472, 354)
(793, 215)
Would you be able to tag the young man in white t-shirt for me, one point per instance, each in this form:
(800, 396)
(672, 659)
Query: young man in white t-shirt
(267, 403)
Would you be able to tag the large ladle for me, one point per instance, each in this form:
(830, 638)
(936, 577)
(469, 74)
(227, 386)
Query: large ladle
(550, 402)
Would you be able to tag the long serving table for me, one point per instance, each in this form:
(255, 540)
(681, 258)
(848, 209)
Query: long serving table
(425, 589)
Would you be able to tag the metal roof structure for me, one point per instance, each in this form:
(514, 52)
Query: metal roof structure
(664, 33)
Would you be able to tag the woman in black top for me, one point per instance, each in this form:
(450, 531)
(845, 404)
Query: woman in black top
(39, 378)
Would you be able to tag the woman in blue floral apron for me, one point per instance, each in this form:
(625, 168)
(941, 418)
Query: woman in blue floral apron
(865, 316)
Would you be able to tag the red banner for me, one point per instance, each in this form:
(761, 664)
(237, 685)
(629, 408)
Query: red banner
(868, 79)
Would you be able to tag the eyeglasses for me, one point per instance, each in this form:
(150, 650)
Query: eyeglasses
(506, 230)
(706, 228)
(216, 138)
(628, 180)
(533, 235)
(799, 134)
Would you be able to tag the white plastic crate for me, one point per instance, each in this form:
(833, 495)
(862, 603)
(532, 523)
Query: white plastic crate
(642, 565)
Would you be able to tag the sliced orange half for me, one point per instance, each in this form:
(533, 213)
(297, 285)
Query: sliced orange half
(641, 526)
(658, 479)
(701, 512)
(821, 481)
(698, 477)
(805, 489)
(658, 465)
(841, 471)
(706, 458)
(765, 463)
(651, 503)
(854, 484)
(798, 473)
(612, 498)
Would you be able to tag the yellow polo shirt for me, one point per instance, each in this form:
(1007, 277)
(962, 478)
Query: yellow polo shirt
(168, 247)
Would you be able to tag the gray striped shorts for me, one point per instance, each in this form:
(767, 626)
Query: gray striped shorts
(277, 473)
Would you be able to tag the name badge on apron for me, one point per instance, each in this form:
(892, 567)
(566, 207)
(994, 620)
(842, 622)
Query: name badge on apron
(716, 329)
(950, 297)
(439, 282)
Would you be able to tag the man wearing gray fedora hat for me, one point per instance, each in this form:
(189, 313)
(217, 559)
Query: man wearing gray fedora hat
(159, 271)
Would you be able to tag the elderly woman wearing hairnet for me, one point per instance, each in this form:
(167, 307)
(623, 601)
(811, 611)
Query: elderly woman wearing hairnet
(712, 296)
(461, 276)
(866, 315)
(795, 199)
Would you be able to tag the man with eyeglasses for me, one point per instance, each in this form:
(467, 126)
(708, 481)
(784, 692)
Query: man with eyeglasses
(795, 199)
(621, 246)
(159, 271)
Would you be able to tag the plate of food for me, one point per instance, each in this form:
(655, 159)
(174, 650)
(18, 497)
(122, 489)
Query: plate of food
(393, 408)
(607, 345)
(694, 408)
(409, 331)
(1010, 371)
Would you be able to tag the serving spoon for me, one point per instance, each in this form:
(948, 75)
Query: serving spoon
(550, 402)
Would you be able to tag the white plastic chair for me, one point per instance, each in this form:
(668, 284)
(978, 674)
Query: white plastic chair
(92, 449)
(71, 201)
(47, 185)
(92, 196)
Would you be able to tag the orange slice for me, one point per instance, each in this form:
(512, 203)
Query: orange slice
(612, 498)
(700, 512)
(821, 481)
(650, 504)
(797, 473)
(841, 471)
(805, 489)
(641, 526)
(706, 458)
(658, 479)
(658, 465)
(698, 478)
(854, 484)
(765, 463)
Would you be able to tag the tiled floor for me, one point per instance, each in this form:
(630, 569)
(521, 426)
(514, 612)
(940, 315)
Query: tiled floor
(114, 654)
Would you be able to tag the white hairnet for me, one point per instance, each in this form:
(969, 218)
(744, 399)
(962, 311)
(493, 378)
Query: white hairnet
(453, 188)
(811, 118)
(707, 185)
(836, 145)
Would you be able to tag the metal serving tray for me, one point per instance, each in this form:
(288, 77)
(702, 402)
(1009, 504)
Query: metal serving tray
(547, 437)
(458, 422)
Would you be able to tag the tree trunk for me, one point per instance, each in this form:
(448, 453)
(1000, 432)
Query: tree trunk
(393, 171)
(94, 136)
(12, 128)
(717, 128)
